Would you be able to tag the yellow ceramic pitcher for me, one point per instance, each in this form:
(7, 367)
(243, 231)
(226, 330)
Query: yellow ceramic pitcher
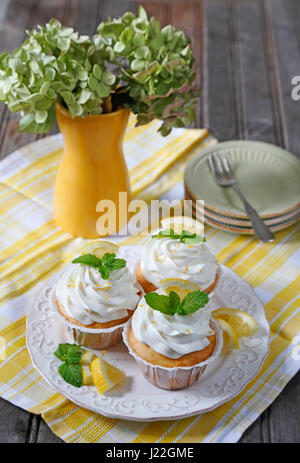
(92, 169)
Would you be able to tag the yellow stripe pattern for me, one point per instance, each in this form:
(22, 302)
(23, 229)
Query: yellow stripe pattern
(33, 248)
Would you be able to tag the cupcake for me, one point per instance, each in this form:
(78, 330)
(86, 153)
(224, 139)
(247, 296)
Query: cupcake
(170, 255)
(173, 339)
(96, 296)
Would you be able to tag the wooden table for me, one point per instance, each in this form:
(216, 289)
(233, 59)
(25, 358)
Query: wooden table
(247, 51)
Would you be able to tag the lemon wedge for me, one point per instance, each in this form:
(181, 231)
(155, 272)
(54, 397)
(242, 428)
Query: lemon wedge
(230, 339)
(87, 378)
(85, 361)
(241, 322)
(180, 286)
(180, 223)
(87, 357)
(99, 248)
(105, 376)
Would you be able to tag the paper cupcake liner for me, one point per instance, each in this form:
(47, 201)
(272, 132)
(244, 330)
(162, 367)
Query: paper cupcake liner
(93, 338)
(177, 377)
(98, 340)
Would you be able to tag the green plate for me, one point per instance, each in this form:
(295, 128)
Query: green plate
(268, 176)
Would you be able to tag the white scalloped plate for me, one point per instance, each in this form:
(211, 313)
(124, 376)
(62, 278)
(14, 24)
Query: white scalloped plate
(137, 399)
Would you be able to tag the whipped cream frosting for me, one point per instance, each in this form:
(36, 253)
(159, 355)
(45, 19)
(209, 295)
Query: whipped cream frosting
(169, 258)
(88, 298)
(171, 335)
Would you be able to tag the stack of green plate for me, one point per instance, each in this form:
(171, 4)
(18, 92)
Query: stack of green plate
(268, 176)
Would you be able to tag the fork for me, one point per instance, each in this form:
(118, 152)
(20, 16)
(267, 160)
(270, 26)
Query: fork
(225, 177)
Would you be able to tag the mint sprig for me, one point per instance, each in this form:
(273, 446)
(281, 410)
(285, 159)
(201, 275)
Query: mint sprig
(171, 304)
(106, 265)
(70, 370)
(185, 236)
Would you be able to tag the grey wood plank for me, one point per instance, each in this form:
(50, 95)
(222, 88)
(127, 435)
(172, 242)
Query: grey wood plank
(13, 423)
(220, 113)
(257, 114)
(284, 22)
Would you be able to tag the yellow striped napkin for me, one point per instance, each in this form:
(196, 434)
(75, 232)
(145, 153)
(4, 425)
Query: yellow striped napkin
(33, 248)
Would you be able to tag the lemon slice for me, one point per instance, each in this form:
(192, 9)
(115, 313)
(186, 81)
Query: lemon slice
(241, 322)
(87, 357)
(87, 378)
(181, 287)
(99, 248)
(85, 361)
(105, 376)
(180, 223)
(230, 339)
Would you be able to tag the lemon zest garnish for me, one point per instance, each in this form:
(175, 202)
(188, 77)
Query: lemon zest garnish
(102, 288)
(186, 269)
(72, 285)
(188, 331)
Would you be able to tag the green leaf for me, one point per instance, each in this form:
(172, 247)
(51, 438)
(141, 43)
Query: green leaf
(93, 83)
(88, 259)
(119, 47)
(192, 240)
(193, 301)
(174, 301)
(50, 73)
(28, 123)
(97, 71)
(41, 116)
(142, 13)
(104, 271)
(137, 64)
(102, 90)
(171, 304)
(185, 236)
(108, 258)
(71, 373)
(107, 264)
(158, 302)
(108, 78)
(117, 264)
(69, 352)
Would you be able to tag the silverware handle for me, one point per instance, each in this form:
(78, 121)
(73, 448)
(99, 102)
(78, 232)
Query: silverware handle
(261, 230)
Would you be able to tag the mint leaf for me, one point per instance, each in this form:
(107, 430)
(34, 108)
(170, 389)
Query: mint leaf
(174, 301)
(70, 369)
(107, 264)
(88, 259)
(185, 236)
(159, 302)
(191, 240)
(193, 301)
(171, 304)
(105, 273)
(118, 263)
(71, 373)
(68, 352)
(108, 258)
